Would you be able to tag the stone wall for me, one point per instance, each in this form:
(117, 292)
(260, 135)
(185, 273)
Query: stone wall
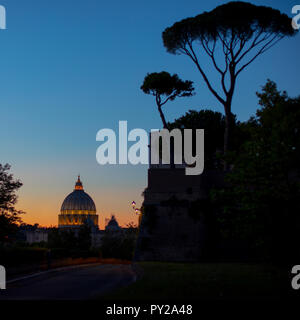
(174, 221)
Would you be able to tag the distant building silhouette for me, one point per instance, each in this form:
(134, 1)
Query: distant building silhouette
(113, 226)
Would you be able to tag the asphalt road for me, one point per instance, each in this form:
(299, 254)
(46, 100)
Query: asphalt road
(79, 283)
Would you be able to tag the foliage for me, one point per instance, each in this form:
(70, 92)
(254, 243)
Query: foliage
(17, 256)
(9, 215)
(261, 201)
(213, 124)
(240, 31)
(166, 87)
(131, 228)
(84, 240)
(61, 239)
(119, 246)
(68, 239)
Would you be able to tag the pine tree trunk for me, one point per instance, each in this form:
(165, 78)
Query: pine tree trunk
(172, 164)
(227, 135)
(162, 117)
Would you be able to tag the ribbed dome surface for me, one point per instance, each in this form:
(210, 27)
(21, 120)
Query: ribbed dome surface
(78, 200)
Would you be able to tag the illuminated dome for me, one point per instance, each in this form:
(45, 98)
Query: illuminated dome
(77, 208)
(78, 200)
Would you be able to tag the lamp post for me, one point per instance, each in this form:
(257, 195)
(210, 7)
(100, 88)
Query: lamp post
(136, 210)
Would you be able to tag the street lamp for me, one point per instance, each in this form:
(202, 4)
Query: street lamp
(136, 210)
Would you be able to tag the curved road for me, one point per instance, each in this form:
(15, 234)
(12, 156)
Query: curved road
(73, 283)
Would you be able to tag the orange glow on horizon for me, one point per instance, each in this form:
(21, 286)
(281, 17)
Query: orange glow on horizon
(44, 208)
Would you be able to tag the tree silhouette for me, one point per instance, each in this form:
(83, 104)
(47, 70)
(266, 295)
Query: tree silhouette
(9, 216)
(84, 236)
(166, 87)
(213, 124)
(241, 31)
(260, 202)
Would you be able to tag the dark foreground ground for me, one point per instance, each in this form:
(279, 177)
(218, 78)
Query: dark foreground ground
(205, 281)
(150, 281)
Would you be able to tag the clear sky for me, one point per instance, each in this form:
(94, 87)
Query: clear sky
(70, 68)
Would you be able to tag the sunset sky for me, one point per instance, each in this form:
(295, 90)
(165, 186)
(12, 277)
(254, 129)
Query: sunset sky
(71, 68)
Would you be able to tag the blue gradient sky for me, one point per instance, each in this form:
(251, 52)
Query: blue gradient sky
(70, 68)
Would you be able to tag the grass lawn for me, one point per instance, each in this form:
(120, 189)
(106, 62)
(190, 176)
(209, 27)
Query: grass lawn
(187, 281)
